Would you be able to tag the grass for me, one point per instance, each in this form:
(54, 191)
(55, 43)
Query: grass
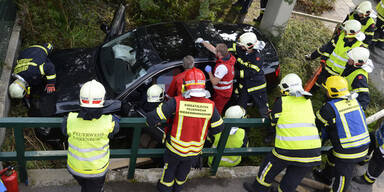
(74, 24)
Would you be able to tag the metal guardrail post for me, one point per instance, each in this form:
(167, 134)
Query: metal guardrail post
(134, 149)
(20, 154)
(220, 149)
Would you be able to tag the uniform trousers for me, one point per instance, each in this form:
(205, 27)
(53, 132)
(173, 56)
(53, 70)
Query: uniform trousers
(259, 98)
(340, 170)
(375, 166)
(175, 172)
(91, 184)
(220, 101)
(271, 167)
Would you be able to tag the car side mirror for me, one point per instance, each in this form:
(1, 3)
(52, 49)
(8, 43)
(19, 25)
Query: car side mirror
(104, 27)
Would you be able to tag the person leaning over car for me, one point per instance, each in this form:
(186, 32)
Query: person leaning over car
(176, 86)
(88, 133)
(251, 76)
(32, 70)
(223, 73)
(194, 115)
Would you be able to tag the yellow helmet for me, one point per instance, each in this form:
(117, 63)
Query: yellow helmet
(337, 87)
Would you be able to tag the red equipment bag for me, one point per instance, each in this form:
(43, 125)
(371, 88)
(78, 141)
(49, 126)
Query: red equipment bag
(9, 178)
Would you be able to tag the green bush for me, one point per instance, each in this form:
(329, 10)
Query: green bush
(315, 6)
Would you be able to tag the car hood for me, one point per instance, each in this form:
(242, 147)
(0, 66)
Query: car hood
(73, 67)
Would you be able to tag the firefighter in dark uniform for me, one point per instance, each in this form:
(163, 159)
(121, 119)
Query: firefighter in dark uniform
(356, 73)
(32, 70)
(250, 72)
(376, 163)
(334, 53)
(193, 113)
(362, 14)
(297, 143)
(378, 38)
(342, 120)
(88, 133)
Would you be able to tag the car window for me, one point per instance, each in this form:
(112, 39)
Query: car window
(164, 79)
(118, 62)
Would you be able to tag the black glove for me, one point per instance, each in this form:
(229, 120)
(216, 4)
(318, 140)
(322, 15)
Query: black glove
(198, 164)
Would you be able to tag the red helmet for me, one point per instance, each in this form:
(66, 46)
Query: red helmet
(194, 82)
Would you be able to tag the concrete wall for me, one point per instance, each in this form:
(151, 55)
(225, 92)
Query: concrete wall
(276, 16)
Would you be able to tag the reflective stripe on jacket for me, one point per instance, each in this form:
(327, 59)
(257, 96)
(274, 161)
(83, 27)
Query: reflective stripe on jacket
(88, 145)
(380, 10)
(234, 141)
(296, 130)
(190, 125)
(339, 58)
(351, 126)
(225, 85)
(351, 77)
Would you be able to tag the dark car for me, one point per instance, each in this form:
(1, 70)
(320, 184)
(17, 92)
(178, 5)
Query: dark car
(128, 63)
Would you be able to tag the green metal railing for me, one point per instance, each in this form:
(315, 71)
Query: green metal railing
(21, 156)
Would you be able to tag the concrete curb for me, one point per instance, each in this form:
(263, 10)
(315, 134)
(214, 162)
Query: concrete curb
(56, 177)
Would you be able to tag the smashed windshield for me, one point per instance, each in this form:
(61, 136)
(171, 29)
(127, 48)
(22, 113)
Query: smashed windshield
(118, 62)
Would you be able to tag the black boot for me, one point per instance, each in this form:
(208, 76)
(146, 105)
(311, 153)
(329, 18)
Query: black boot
(361, 180)
(320, 176)
(249, 187)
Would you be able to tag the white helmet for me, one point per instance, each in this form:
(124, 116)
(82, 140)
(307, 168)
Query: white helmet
(248, 40)
(92, 94)
(291, 85)
(155, 93)
(359, 55)
(17, 89)
(235, 111)
(364, 8)
(352, 29)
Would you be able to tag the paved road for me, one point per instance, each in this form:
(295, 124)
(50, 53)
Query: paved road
(377, 76)
(195, 185)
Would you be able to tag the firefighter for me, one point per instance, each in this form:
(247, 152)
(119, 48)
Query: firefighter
(223, 73)
(341, 120)
(251, 77)
(176, 86)
(334, 53)
(297, 143)
(356, 73)
(362, 13)
(155, 95)
(236, 139)
(376, 163)
(88, 133)
(32, 70)
(193, 113)
(378, 39)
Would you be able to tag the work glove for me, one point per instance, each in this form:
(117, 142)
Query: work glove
(50, 88)
(323, 63)
(199, 40)
(198, 164)
(308, 57)
(208, 69)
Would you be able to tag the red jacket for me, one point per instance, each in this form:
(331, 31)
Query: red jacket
(225, 85)
(175, 88)
(188, 134)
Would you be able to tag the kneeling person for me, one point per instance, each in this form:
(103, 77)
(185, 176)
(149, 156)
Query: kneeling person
(236, 138)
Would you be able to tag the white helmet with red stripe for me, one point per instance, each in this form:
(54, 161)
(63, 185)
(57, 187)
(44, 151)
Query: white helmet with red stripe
(92, 94)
